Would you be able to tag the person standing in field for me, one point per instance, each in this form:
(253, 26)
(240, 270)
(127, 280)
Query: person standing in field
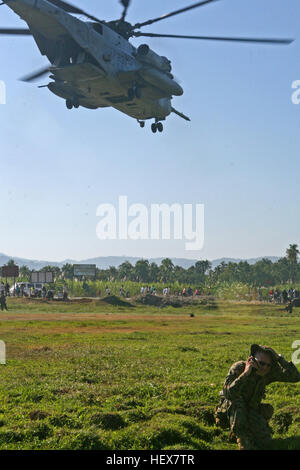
(3, 302)
(65, 293)
(44, 292)
(260, 294)
(7, 288)
(284, 296)
(240, 407)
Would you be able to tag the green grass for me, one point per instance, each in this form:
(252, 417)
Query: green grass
(93, 376)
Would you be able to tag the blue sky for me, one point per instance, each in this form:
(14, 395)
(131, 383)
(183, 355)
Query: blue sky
(239, 156)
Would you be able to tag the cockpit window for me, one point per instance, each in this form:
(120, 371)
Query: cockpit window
(98, 27)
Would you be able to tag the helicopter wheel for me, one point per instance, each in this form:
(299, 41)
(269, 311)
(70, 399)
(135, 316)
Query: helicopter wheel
(69, 104)
(160, 127)
(153, 128)
(131, 94)
(142, 124)
(76, 104)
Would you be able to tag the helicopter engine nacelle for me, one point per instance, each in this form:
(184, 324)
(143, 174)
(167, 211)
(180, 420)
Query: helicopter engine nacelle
(146, 55)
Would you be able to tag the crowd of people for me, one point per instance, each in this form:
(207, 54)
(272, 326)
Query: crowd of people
(21, 291)
(4, 288)
(185, 292)
(274, 295)
(280, 297)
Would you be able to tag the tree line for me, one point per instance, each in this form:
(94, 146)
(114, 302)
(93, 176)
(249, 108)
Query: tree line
(263, 272)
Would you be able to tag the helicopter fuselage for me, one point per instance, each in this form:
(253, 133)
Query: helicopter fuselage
(96, 67)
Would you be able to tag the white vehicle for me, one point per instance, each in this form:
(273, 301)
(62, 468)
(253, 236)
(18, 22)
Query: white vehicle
(26, 287)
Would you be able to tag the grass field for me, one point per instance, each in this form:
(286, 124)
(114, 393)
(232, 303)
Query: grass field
(88, 375)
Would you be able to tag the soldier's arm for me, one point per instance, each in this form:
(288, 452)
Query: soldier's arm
(234, 381)
(285, 371)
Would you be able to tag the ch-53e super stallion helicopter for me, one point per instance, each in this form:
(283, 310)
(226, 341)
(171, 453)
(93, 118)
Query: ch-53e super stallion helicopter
(94, 65)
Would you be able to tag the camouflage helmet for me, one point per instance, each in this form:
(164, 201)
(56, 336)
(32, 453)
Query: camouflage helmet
(265, 349)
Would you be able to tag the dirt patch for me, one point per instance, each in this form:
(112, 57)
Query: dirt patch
(148, 299)
(158, 301)
(174, 301)
(41, 349)
(115, 301)
(83, 300)
(39, 300)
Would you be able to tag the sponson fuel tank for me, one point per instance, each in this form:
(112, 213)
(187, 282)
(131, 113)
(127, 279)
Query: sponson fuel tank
(157, 71)
(161, 80)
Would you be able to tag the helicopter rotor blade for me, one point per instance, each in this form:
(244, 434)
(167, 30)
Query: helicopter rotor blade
(214, 38)
(126, 4)
(173, 13)
(69, 8)
(15, 32)
(35, 75)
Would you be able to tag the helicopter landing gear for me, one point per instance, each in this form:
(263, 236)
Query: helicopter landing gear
(160, 127)
(157, 126)
(154, 128)
(70, 104)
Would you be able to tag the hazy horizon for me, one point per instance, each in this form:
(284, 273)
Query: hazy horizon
(131, 256)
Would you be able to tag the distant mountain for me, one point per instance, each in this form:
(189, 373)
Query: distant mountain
(32, 264)
(104, 262)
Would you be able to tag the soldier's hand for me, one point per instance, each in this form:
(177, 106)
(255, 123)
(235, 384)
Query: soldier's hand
(250, 365)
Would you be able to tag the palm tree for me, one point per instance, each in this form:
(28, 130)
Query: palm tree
(166, 270)
(125, 271)
(292, 255)
(25, 272)
(67, 271)
(153, 272)
(11, 262)
(113, 273)
(141, 270)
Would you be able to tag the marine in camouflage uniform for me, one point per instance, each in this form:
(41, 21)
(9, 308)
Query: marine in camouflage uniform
(240, 407)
